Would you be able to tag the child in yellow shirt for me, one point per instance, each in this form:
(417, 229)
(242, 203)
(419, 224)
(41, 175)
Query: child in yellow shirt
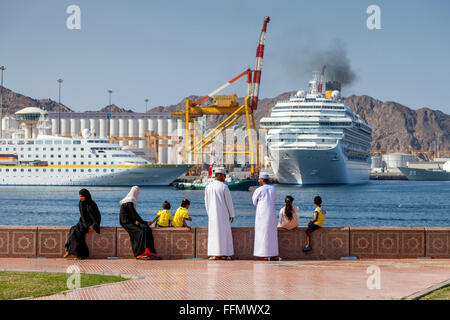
(182, 215)
(316, 223)
(163, 216)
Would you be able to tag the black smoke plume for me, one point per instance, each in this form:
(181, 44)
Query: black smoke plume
(338, 67)
(300, 62)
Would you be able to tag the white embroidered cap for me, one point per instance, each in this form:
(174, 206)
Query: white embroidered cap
(220, 170)
(263, 175)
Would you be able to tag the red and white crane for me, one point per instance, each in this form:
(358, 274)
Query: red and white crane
(258, 64)
(247, 72)
(322, 75)
(252, 85)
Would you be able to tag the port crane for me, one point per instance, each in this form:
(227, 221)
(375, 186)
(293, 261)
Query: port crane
(227, 105)
(152, 140)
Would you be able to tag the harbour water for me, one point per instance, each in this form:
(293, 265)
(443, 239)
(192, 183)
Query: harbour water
(377, 203)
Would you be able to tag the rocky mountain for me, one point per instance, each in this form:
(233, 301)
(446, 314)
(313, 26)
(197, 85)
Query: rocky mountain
(114, 109)
(13, 102)
(395, 126)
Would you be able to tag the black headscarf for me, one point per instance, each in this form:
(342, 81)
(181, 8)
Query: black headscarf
(89, 210)
(85, 193)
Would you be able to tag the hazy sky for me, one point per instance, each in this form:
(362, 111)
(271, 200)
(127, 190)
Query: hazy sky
(166, 50)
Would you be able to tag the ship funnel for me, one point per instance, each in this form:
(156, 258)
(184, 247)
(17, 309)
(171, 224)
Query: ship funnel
(331, 86)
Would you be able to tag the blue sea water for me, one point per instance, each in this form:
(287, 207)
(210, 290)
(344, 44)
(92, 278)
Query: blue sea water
(377, 203)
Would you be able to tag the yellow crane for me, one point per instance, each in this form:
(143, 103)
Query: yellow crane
(228, 105)
(152, 140)
(224, 105)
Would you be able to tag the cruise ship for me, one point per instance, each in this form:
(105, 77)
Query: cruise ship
(315, 138)
(60, 161)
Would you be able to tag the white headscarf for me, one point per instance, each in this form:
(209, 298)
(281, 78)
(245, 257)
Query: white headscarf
(132, 196)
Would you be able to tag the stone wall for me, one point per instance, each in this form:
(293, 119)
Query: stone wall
(182, 243)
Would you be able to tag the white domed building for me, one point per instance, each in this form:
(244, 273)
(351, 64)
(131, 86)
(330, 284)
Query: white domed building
(32, 119)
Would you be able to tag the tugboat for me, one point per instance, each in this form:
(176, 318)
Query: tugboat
(234, 184)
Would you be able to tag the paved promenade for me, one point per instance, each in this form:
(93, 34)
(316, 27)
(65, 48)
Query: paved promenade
(246, 279)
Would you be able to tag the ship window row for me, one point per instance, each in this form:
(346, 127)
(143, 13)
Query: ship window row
(60, 156)
(357, 147)
(300, 140)
(357, 157)
(135, 162)
(364, 144)
(97, 141)
(321, 131)
(58, 142)
(53, 156)
(309, 107)
(357, 135)
(43, 149)
(32, 163)
(105, 148)
(306, 123)
(307, 113)
(56, 170)
(17, 142)
(123, 155)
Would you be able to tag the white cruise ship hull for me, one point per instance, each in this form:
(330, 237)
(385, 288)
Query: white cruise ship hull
(149, 175)
(318, 167)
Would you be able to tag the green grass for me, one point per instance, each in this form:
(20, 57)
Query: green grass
(14, 285)
(442, 294)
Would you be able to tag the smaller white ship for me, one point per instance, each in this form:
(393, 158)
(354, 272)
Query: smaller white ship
(83, 161)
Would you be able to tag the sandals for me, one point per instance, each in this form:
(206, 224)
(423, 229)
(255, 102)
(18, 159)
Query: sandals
(150, 256)
(219, 258)
(270, 259)
(275, 259)
(153, 256)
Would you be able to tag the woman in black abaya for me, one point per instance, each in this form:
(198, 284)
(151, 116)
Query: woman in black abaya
(141, 236)
(89, 221)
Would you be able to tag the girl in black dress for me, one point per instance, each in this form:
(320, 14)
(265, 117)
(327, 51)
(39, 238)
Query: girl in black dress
(89, 221)
(141, 236)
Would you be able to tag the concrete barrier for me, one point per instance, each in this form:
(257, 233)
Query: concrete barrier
(182, 243)
(386, 242)
(327, 243)
(170, 243)
(51, 241)
(438, 242)
(18, 242)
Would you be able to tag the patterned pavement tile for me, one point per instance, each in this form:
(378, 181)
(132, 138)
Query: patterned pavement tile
(193, 279)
